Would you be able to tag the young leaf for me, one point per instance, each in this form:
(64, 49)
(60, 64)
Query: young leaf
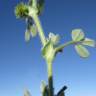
(62, 94)
(27, 36)
(21, 10)
(33, 30)
(29, 22)
(54, 38)
(40, 6)
(30, 2)
(82, 51)
(43, 85)
(27, 93)
(44, 89)
(77, 35)
(89, 42)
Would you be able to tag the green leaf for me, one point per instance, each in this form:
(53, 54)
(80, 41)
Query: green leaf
(44, 89)
(77, 35)
(30, 2)
(54, 38)
(27, 93)
(40, 6)
(33, 30)
(82, 51)
(89, 42)
(43, 86)
(62, 94)
(48, 52)
(27, 36)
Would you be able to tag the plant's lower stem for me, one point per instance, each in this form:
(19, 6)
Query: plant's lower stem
(50, 79)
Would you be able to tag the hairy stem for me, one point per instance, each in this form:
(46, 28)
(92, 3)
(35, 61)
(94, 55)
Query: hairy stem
(50, 79)
(34, 3)
(57, 49)
(40, 29)
(43, 40)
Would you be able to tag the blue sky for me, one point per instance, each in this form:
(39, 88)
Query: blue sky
(21, 64)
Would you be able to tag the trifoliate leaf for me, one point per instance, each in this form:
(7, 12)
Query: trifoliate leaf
(33, 30)
(77, 35)
(54, 38)
(27, 36)
(82, 51)
(27, 93)
(89, 42)
(21, 10)
(48, 52)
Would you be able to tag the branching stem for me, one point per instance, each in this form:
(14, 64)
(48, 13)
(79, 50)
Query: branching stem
(43, 40)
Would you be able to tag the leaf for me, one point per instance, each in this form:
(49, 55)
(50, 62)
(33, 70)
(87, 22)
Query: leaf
(82, 51)
(27, 93)
(54, 38)
(29, 22)
(43, 85)
(44, 89)
(62, 94)
(89, 42)
(30, 2)
(48, 52)
(77, 35)
(40, 6)
(33, 30)
(27, 36)
(21, 10)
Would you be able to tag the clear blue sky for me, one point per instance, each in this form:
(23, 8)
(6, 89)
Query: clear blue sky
(21, 64)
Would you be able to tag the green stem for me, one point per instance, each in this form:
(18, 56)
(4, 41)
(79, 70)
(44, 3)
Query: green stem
(65, 44)
(50, 79)
(40, 29)
(43, 40)
(34, 3)
(33, 13)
